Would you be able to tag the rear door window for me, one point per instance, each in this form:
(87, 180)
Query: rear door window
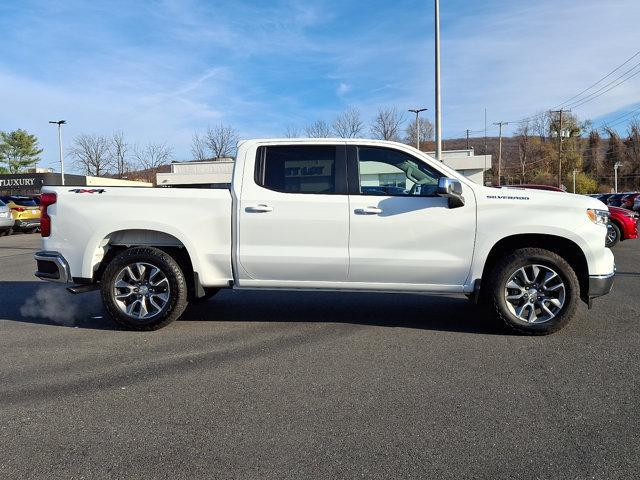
(301, 169)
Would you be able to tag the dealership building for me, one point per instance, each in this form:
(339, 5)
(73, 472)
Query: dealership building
(30, 183)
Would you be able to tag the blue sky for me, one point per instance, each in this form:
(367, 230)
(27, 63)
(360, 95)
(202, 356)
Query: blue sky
(160, 71)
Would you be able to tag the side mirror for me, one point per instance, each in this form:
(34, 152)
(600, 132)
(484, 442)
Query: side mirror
(452, 189)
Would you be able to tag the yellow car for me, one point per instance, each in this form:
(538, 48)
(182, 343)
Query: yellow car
(25, 211)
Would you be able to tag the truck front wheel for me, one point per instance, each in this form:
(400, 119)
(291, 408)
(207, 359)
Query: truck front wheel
(533, 291)
(143, 288)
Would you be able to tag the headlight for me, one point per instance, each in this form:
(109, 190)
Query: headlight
(599, 217)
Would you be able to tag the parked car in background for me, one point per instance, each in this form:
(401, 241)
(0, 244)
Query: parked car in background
(628, 200)
(6, 219)
(604, 197)
(636, 204)
(615, 200)
(535, 186)
(623, 225)
(25, 211)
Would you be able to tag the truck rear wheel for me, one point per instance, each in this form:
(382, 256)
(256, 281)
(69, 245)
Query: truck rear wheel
(143, 288)
(533, 291)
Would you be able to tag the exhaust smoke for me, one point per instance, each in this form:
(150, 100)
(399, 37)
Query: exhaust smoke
(55, 304)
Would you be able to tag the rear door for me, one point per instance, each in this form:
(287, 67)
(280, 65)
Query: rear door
(294, 215)
(402, 232)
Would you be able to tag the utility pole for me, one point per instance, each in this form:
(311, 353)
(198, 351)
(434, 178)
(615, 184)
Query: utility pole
(574, 180)
(500, 124)
(60, 123)
(437, 70)
(615, 174)
(484, 174)
(417, 112)
(467, 139)
(560, 112)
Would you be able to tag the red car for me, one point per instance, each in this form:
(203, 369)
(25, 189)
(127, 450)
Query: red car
(623, 223)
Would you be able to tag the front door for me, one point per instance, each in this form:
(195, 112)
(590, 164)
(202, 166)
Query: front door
(402, 232)
(294, 216)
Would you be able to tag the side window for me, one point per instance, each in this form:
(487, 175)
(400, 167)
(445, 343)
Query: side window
(297, 168)
(384, 171)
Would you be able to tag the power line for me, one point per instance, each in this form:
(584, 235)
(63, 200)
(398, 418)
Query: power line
(587, 99)
(606, 76)
(621, 116)
(582, 101)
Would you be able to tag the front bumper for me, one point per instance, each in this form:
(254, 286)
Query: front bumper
(52, 267)
(600, 285)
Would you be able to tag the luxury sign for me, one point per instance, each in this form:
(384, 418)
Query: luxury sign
(17, 182)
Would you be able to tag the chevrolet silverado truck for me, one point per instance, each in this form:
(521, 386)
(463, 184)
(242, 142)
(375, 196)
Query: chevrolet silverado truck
(329, 214)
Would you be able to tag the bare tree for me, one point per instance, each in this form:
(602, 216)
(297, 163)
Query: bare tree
(199, 147)
(152, 155)
(540, 125)
(222, 140)
(426, 132)
(348, 124)
(386, 124)
(118, 150)
(523, 137)
(91, 154)
(291, 132)
(318, 129)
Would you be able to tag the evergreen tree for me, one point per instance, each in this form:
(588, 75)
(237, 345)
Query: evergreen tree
(19, 150)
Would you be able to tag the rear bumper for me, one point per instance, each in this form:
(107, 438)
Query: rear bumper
(27, 224)
(6, 223)
(52, 267)
(600, 285)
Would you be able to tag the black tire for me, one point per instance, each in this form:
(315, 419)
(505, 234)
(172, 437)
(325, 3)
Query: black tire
(496, 290)
(613, 235)
(177, 288)
(209, 293)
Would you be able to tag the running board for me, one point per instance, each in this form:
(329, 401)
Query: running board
(76, 289)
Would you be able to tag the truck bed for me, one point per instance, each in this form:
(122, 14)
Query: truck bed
(87, 221)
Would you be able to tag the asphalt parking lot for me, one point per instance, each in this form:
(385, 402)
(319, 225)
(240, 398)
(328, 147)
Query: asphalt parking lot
(302, 385)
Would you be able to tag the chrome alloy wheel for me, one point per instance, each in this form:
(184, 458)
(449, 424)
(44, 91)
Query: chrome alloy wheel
(612, 234)
(535, 293)
(141, 290)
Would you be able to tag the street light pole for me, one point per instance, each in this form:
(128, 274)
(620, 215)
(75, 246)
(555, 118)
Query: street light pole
(615, 174)
(60, 123)
(574, 180)
(417, 112)
(437, 70)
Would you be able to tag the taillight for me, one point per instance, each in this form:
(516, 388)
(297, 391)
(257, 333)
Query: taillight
(18, 209)
(46, 200)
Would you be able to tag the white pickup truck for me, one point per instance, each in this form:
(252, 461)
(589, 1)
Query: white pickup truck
(329, 214)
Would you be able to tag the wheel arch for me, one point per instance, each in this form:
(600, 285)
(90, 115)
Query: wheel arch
(115, 242)
(562, 246)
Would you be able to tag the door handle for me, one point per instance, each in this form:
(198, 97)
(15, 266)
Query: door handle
(368, 211)
(259, 209)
